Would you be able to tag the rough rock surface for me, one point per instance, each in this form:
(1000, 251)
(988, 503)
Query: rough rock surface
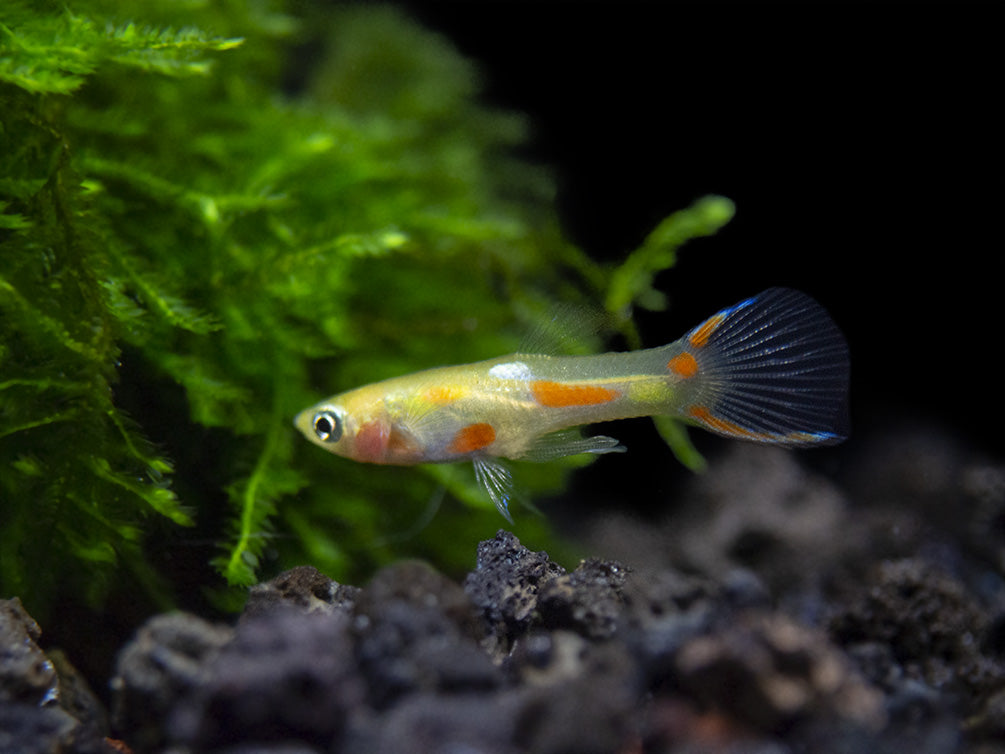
(45, 706)
(774, 611)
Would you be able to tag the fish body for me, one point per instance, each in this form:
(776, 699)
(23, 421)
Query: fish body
(773, 368)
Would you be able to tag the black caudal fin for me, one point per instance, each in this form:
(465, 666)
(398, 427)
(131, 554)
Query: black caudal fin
(773, 368)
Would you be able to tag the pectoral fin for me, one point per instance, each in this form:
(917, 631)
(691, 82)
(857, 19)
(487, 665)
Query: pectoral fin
(569, 442)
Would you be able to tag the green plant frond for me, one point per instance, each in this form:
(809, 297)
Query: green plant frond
(209, 209)
(12, 220)
(160, 499)
(125, 294)
(30, 61)
(631, 282)
(189, 239)
(54, 53)
(379, 243)
(89, 550)
(16, 428)
(137, 447)
(17, 304)
(254, 498)
(214, 400)
(20, 188)
(675, 435)
(167, 51)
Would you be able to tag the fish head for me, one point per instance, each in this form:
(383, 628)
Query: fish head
(358, 426)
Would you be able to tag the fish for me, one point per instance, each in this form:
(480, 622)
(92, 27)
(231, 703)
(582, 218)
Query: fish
(773, 368)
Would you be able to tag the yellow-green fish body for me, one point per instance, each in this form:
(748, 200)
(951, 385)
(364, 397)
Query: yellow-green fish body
(773, 368)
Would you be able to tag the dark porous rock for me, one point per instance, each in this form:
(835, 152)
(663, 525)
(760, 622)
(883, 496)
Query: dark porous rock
(575, 694)
(424, 589)
(587, 709)
(303, 587)
(593, 712)
(256, 747)
(26, 674)
(766, 619)
(287, 676)
(543, 658)
(76, 695)
(759, 509)
(505, 584)
(588, 600)
(45, 704)
(49, 729)
(770, 672)
(983, 485)
(989, 719)
(417, 631)
(165, 662)
(666, 609)
(653, 595)
(935, 630)
(432, 723)
(31, 729)
(555, 657)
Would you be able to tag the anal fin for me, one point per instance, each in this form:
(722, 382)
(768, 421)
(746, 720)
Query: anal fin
(497, 480)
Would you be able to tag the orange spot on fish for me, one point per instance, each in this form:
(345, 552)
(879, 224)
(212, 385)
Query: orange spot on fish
(706, 417)
(699, 337)
(472, 437)
(557, 394)
(443, 395)
(683, 364)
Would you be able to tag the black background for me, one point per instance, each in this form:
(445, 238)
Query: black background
(861, 143)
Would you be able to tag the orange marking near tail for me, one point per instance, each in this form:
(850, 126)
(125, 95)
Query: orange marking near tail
(683, 364)
(702, 414)
(557, 395)
(704, 331)
(472, 437)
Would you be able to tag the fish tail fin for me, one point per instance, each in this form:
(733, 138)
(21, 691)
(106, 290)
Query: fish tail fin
(773, 368)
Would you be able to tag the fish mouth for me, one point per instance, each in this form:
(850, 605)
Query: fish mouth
(304, 422)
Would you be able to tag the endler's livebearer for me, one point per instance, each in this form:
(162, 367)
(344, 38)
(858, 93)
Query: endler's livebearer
(772, 369)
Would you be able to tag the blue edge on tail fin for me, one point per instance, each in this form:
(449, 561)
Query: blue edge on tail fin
(774, 369)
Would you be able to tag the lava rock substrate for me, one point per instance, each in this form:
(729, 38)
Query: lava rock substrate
(850, 633)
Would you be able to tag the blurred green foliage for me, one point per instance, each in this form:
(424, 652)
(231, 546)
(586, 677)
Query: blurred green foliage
(211, 215)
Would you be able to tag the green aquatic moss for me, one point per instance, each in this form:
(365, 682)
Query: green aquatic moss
(211, 215)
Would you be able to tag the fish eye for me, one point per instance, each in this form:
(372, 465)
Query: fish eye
(327, 426)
